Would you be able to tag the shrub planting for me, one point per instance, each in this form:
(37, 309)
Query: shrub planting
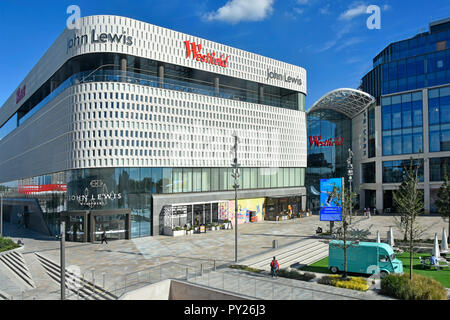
(420, 288)
(354, 283)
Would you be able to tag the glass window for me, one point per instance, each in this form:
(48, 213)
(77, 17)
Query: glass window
(286, 177)
(407, 143)
(386, 113)
(177, 180)
(274, 178)
(406, 115)
(156, 180)
(417, 113)
(214, 179)
(254, 178)
(445, 140)
(206, 179)
(417, 143)
(167, 180)
(387, 146)
(280, 175)
(396, 116)
(444, 109)
(396, 144)
(434, 141)
(261, 177)
(297, 176)
(196, 179)
(223, 173)
(187, 180)
(245, 182)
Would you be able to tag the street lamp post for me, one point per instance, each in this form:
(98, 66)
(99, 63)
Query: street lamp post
(235, 175)
(350, 177)
(1, 214)
(63, 260)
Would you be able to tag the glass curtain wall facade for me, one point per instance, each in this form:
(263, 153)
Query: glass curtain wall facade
(402, 124)
(120, 188)
(326, 161)
(439, 119)
(420, 62)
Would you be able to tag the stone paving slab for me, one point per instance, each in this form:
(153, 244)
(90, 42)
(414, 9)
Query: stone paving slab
(127, 256)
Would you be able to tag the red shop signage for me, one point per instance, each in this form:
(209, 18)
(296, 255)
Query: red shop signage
(195, 50)
(318, 142)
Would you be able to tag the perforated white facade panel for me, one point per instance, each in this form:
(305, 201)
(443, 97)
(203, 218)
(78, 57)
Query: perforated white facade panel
(113, 124)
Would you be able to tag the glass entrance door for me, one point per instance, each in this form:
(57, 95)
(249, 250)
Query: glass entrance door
(113, 225)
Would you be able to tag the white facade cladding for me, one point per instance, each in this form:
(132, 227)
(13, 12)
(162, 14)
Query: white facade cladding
(156, 43)
(120, 93)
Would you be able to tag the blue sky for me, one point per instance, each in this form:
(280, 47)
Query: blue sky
(330, 39)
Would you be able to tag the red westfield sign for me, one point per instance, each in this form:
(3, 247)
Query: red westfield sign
(317, 141)
(195, 50)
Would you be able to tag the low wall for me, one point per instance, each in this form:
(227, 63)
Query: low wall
(178, 290)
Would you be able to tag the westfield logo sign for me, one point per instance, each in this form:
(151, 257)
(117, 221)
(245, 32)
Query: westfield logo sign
(194, 50)
(317, 141)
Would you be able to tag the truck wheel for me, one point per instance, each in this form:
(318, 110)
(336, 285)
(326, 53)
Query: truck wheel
(383, 274)
(334, 270)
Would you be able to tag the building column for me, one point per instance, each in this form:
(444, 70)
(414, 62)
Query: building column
(123, 68)
(379, 198)
(260, 93)
(303, 203)
(216, 86)
(161, 74)
(426, 154)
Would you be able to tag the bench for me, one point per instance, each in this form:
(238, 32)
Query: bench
(441, 263)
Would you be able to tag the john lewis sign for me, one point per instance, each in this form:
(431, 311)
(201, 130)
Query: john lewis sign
(98, 38)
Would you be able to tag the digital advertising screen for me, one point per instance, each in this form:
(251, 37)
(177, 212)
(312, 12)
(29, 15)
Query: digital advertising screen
(330, 204)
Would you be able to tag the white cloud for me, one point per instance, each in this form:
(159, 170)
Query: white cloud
(235, 11)
(299, 10)
(386, 7)
(353, 12)
(325, 10)
(303, 1)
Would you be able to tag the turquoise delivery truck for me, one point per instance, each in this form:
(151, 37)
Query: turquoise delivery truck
(364, 257)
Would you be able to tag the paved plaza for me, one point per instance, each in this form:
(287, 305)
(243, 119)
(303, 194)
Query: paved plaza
(164, 257)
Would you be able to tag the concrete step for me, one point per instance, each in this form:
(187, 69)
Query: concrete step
(294, 256)
(15, 262)
(77, 285)
(300, 254)
(311, 260)
(279, 252)
(306, 257)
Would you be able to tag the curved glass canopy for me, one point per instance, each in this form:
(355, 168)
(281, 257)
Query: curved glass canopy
(349, 102)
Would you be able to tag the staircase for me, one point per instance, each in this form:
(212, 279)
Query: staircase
(16, 263)
(77, 287)
(296, 255)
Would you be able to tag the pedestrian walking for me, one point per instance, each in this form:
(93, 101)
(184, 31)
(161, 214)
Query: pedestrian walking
(104, 237)
(274, 266)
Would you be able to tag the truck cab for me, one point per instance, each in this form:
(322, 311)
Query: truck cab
(364, 257)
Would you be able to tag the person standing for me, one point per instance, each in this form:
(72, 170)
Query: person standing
(274, 266)
(104, 237)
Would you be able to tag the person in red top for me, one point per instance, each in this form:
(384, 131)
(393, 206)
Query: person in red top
(274, 266)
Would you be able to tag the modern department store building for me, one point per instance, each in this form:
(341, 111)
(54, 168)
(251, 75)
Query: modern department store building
(127, 127)
(401, 111)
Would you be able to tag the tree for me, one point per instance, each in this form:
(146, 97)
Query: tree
(443, 200)
(348, 204)
(409, 202)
